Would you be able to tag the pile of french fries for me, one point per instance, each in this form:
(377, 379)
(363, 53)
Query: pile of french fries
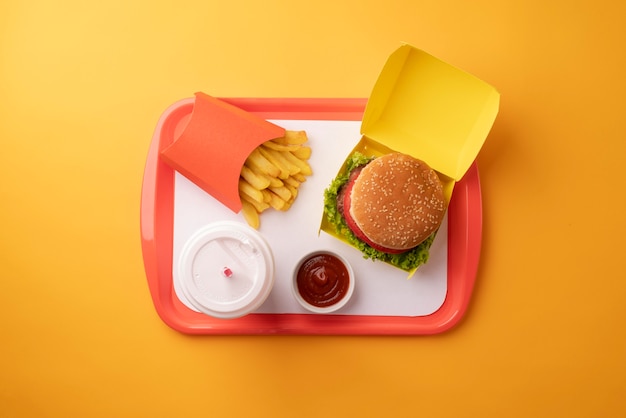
(272, 174)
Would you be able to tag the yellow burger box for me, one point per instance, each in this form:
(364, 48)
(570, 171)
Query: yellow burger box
(429, 109)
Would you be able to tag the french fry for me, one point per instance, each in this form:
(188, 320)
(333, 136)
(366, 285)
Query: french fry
(299, 177)
(291, 181)
(276, 182)
(257, 159)
(250, 214)
(272, 175)
(258, 181)
(267, 195)
(275, 158)
(292, 138)
(273, 181)
(293, 190)
(303, 152)
(283, 158)
(259, 206)
(283, 192)
(304, 167)
(247, 189)
(287, 206)
(281, 147)
(277, 202)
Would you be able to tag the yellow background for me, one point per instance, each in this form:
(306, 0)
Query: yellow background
(82, 87)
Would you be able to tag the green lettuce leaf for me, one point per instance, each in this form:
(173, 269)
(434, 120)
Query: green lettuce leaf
(407, 261)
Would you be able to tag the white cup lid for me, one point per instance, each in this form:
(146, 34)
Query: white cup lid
(226, 270)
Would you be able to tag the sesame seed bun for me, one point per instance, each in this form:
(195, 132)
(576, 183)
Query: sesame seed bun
(395, 203)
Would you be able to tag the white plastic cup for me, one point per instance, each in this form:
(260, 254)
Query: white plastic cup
(226, 270)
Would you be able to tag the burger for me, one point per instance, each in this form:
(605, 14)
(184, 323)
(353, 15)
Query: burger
(389, 207)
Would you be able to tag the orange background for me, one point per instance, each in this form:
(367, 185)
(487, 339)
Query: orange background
(83, 85)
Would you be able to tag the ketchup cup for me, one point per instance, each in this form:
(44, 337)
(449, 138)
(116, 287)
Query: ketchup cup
(323, 282)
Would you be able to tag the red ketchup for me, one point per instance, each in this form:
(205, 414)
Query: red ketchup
(323, 280)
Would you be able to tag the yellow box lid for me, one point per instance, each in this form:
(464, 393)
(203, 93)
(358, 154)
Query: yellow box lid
(431, 110)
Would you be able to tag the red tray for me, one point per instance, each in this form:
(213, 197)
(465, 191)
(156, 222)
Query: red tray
(157, 206)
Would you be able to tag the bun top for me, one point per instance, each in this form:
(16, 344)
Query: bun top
(397, 201)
